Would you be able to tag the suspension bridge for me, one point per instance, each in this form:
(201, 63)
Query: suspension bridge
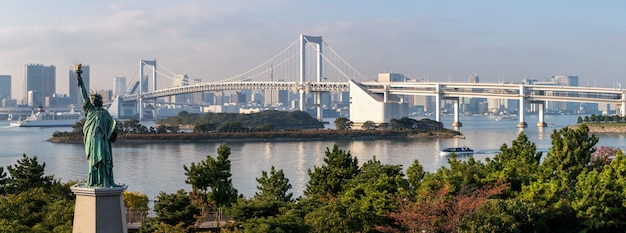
(304, 69)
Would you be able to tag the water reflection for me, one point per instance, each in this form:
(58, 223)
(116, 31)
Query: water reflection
(154, 167)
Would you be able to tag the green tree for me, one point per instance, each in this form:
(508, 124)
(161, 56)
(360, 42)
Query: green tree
(34, 202)
(136, 200)
(204, 127)
(461, 174)
(580, 120)
(175, 208)
(596, 196)
(214, 174)
(342, 123)
(554, 189)
(368, 197)
(369, 125)
(78, 126)
(328, 179)
(415, 174)
(570, 152)
(274, 187)
(232, 126)
(403, 123)
(265, 127)
(510, 215)
(136, 205)
(131, 126)
(271, 209)
(517, 165)
(3, 180)
(286, 222)
(35, 210)
(27, 173)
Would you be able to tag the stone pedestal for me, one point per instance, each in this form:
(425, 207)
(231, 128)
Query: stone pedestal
(99, 210)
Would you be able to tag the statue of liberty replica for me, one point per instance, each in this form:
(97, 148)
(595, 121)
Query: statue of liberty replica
(98, 133)
(99, 202)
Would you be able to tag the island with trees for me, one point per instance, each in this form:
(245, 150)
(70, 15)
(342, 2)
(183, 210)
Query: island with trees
(604, 123)
(264, 126)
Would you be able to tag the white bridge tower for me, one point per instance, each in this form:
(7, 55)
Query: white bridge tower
(317, 40)
(141, 84)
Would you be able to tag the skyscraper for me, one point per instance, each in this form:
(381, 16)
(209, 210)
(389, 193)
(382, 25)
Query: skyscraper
(119, 85)
(74, 90)
(474, 78)
(5, 87)
(179, 81)
(39, 79)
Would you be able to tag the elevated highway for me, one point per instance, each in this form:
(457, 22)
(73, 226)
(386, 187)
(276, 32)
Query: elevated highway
(536, 94)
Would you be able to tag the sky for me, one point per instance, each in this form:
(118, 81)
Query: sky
(212, 40)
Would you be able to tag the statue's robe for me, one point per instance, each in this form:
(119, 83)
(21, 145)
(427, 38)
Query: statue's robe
(98, 132)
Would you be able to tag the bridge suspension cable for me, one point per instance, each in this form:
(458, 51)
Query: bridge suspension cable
(326, 58)
(261, 65)
(166, 69)
(342, 60)
(187, 81)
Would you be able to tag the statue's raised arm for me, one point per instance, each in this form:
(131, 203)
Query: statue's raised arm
(83, 92)
(98, 133)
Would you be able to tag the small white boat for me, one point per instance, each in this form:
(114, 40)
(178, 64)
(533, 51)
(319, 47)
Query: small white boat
(505, 117)
(456, 151)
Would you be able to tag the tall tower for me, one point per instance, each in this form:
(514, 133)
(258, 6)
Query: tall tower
(179, 81)
(474, 78)
(5, 87)
(39, 79)
(119, 85)
(74, 90)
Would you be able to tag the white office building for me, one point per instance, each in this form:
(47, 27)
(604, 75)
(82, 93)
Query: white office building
(379, 108)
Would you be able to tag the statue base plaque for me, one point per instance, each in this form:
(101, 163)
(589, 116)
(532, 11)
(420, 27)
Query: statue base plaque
(99, 210)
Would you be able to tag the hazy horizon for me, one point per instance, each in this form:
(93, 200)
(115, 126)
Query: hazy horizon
(443, 40)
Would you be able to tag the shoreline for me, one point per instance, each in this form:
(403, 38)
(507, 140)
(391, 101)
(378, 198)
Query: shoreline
(316, 135)
(606, 129)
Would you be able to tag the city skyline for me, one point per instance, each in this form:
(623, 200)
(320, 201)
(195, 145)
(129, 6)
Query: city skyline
(438, 41)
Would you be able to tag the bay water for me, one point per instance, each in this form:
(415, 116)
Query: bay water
(151, 168)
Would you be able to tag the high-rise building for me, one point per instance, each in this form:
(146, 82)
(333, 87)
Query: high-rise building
(562, 80)
(391, 77)
(179, 81)
(39, 79)
(5, 87)
(474, 78)
(238, 98)
(119, 85)
(35, 99)
(196, 98)
(73, 84)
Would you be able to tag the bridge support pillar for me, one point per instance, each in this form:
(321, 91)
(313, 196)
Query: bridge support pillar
(623, 107)
(302, 100)
(318, 99)
(541, 106)
(438, 103)
(140, 107)
(456, 122)
(522, 122)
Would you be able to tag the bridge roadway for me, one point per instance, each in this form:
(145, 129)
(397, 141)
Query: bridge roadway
(537, 94)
